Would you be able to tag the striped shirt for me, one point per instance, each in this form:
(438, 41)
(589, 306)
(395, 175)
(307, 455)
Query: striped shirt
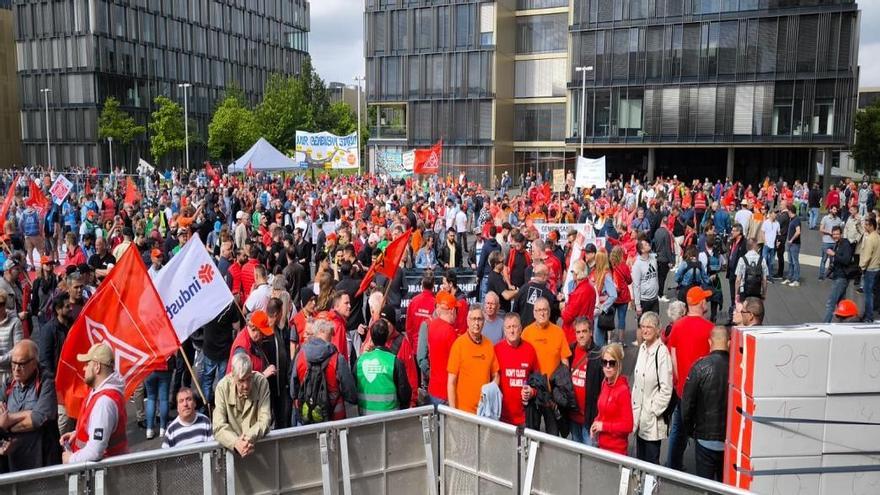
(180, 433)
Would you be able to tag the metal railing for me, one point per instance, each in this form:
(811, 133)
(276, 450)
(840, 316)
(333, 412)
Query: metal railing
(420, 450)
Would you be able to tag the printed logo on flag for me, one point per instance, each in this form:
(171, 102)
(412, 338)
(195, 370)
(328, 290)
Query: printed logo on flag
(206, 273)
(128, 359)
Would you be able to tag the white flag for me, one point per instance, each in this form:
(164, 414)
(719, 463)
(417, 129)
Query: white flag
(192, 289)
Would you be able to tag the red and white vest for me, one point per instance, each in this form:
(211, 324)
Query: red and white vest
(118, 443)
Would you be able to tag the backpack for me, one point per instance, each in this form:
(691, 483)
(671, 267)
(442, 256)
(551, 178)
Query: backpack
(313, 395)
(695, 267)
(753, 280)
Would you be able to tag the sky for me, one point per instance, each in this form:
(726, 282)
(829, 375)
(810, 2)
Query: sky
(337, 47)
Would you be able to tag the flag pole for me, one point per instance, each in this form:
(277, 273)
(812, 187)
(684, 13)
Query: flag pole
(192, 373)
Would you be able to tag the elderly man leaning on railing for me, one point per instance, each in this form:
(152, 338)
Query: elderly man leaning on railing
(243, 413)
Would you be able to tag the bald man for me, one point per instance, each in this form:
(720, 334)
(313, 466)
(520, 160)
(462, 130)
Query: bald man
(28, 414)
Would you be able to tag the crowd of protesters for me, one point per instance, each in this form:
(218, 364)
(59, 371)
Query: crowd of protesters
(543, 346)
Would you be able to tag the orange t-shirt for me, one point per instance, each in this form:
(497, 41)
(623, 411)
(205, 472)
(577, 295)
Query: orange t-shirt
(474, 364)
(550, 344)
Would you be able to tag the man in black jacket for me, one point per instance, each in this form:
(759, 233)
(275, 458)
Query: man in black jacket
(738, 249)
(704, 406)
(662, 245)
(842, 266)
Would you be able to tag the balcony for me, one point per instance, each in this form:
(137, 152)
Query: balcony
(388, 132)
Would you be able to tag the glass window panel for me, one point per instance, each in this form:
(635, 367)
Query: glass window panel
(539, 122)
(541, 4)
(542, 33)
(540, 78)
(743, 112)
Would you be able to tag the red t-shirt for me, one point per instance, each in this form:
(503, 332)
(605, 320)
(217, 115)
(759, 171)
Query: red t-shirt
(441, 336)
(579, 382)
(516, 364)
(689, 340)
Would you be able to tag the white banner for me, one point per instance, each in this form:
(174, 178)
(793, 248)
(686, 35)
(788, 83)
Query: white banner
(408, 160)
(590, 172)
(60, 189)
(192, 289)
(327, 151)
(585, 229)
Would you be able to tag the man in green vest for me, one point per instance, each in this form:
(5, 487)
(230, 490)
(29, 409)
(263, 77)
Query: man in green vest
(382, 383)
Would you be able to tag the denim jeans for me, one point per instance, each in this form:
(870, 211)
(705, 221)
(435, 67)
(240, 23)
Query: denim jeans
(794, 262)
(869, 281)
(157, 385)
(599, 336)
(838, 290)
(814, 217)
(581, 433)
(620, 309)
(437, 402)
(678, 442)
(211, 373)
(709, 463)
(648, 450)
(768, 253)
(825, 247)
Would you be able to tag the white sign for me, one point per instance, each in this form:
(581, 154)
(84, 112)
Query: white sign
(584, 229)
(60, 189)
(327, 151)
(192, 289)
(590, 172)
(409, 160)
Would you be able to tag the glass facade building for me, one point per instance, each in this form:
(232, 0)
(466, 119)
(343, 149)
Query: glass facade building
(10, 133)
(135, 50)
(744, 86)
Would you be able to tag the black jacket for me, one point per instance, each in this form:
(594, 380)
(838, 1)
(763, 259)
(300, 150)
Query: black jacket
(489, 247)
(704, 404)
(443, 254)
(735, 255)
(843, 257)
(662, 245)
(594, 381)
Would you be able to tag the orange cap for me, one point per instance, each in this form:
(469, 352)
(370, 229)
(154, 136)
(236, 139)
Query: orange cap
(260, 320)
(696, 295)
(846, 308)
(446, 300)
(156, 253)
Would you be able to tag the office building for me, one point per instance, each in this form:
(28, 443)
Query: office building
(697, 88)
(10, 132)
(135, 50)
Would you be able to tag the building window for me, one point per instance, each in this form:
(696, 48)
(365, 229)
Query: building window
(629, 114)
(487, 24)
(823, 118)
(540, 4)
(542, 33)
(541, 122)
(540, 78)
(464, 25)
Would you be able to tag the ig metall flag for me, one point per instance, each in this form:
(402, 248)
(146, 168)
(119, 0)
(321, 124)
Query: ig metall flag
(192, 289)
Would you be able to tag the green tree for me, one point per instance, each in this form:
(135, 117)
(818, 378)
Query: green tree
(867, 147)
(283, 111)
(167, 132)
(117, 124)
(233, 128)
(341, 119)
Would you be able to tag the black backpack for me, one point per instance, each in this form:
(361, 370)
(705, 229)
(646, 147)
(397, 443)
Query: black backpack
(313, 395)
(753, 280)
(695, 267)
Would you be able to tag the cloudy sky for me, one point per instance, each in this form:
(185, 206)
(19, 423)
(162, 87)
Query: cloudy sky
(337, 47)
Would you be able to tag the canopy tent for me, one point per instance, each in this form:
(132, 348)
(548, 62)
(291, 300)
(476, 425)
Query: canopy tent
(263, 157)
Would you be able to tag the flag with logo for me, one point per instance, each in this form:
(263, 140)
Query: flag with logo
(192, 289)
(127, 314)
(428, 161)
(131, 192)
(388, 262)
(37, 199)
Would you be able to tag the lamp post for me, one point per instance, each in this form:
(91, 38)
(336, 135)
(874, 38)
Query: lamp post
(583, 71)
(110, 141)
(46, 92)
(186, 87)
(358, 79)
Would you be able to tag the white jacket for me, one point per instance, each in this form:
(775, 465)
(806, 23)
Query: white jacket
(650, 394)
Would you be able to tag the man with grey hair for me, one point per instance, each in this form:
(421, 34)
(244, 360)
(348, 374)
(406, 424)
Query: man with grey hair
(243, 411)
(493, 327)
(318, 355)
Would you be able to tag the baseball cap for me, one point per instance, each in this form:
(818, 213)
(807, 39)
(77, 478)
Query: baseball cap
(156, 253)
(696, 295)
(46, 260)
(744, 202)
(239, 215)
(260, 320)
(100, 353)
(446, 300)
(590, 248)
(10, 264)
(306, 294)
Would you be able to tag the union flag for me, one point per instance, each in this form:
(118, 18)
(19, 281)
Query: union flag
(37, 199)
(7, 202)
(428, 161)
(388, 262)
(131, 193)
(127, 314)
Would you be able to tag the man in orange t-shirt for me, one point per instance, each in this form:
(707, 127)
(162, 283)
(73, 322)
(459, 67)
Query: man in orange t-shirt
(472, 364)
(548, 339)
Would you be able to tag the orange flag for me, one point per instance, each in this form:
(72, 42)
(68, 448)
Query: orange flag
(428, 161)
(388, 262)
(37, 199)
(127, 314)
(131, 192)
(4, 210)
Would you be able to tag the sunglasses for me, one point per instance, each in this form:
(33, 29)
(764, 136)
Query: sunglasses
(609, 363)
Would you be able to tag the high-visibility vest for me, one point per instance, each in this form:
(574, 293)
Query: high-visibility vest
(375, 382)
(118, 443)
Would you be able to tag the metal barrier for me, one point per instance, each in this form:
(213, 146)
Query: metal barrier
(421, 450)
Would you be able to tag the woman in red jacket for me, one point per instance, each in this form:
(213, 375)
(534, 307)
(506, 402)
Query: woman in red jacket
(622, 276)
(581, 301)
(614, 422)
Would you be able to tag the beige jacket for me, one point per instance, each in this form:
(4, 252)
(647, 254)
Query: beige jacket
(870, 257)
(650, 393)
(251, 416)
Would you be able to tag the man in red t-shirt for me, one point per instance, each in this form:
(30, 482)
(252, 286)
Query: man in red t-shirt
(434, 353)
(586, 379)
(420, 308)
(688, 342)
(517, 359)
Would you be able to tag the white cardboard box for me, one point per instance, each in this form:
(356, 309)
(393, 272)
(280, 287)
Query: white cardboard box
(790, 484)
(867, 483)
(757, 439)
(843, 439)
(854, 359)
(780, 362)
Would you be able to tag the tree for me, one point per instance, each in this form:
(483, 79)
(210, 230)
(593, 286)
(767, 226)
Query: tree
(283, 110)
(342, 119)
(166, 129)
(233, 128)
(867, 148)
(117, 124)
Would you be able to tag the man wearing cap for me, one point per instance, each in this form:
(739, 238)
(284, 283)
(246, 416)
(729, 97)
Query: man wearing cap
(240, 234)
(434, 346)
(102, 261)
(688, 342)
(100, 430)
(9, 284)
(744, 216)
(249, 341)
(157, 260)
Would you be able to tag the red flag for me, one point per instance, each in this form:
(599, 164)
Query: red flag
(388, 262)
(37, 199)
(4, 210)
(131, 192)
(209, 170)
(428, 161)
(249, 170)
(127, 314)
(88, 188)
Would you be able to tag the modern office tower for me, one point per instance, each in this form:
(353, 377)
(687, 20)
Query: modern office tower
(698, 88)
(10, 132)
(86, 50)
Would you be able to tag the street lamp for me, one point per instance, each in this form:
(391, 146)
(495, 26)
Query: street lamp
(46, 92)
(358, 80)
(583, 71)
(110, 140)
(186, 87)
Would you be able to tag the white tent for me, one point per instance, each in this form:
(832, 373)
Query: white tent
(263, 157)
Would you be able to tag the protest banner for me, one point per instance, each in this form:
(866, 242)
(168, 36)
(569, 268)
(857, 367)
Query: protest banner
(327, 151)
(60, 189)
(590, 172)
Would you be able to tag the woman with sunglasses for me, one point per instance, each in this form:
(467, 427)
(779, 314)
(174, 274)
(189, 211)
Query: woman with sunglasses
(614, 422)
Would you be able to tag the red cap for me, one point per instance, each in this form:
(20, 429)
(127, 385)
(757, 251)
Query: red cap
(446, 300)
(696, 295)
(260, 320)
(156, 253)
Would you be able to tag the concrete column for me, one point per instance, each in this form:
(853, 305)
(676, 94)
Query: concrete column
(652, 164)
(730, 156)
(826, 169)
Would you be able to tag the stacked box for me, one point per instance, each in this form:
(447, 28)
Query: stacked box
(818, 375)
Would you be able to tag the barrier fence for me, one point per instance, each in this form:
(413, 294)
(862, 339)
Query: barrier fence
(420, 451)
